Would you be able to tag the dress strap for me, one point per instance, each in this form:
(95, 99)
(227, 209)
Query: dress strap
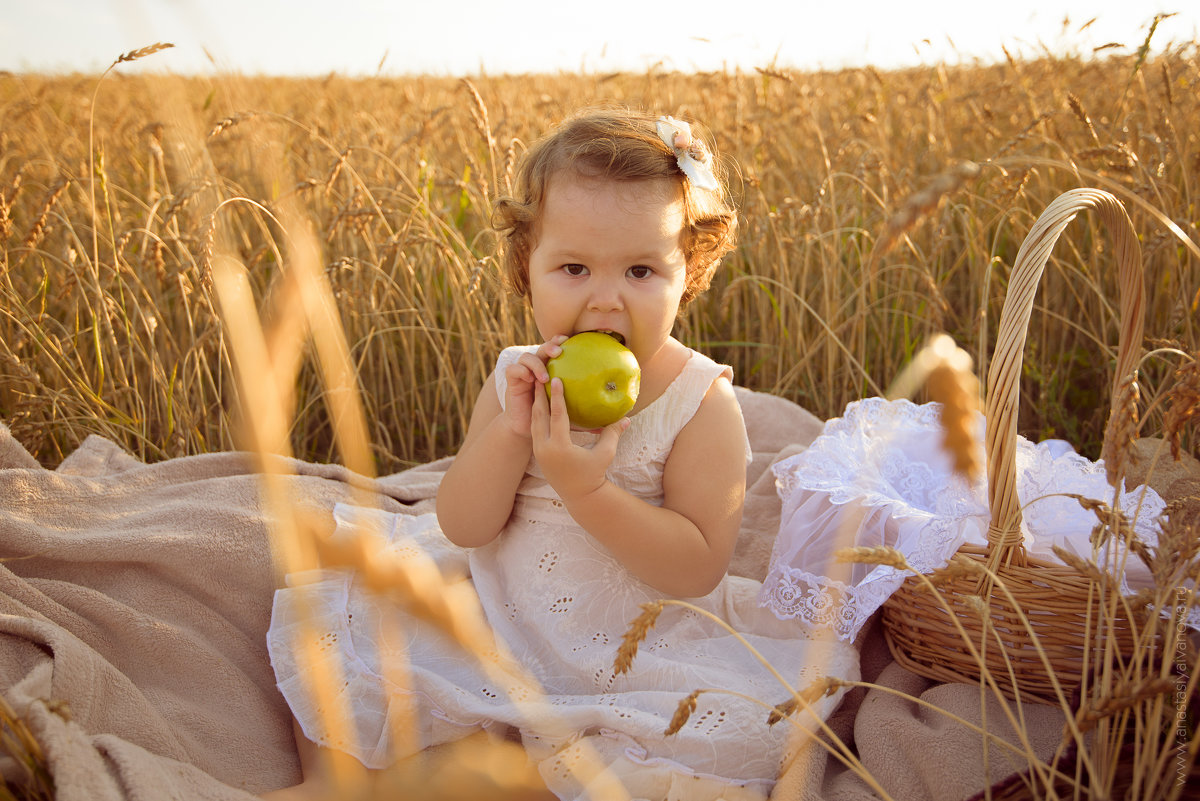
(507, 357)
(687, 392)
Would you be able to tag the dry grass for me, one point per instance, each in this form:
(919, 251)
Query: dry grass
(23, 771)
(306, 266)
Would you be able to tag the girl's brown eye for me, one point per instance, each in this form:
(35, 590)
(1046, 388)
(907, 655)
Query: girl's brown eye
(640, 272)
(575, 269)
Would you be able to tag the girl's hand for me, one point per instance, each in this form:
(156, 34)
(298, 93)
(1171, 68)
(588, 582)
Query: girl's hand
(525, 380)
(572, 470)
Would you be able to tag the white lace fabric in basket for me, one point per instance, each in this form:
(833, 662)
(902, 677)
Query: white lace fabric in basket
(878, 476)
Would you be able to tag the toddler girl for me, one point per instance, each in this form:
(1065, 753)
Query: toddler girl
(618, 220)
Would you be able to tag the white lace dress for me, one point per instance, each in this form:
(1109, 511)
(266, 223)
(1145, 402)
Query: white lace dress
(561, 604)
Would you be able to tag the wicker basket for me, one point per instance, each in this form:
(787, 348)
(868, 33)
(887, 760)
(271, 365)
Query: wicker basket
(1060, 605)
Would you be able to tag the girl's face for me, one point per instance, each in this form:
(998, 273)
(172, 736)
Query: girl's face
(608, 257)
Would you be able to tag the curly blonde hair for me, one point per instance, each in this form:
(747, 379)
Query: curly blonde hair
(619, 145)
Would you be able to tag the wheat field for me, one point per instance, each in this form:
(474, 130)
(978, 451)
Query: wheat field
(878, 208)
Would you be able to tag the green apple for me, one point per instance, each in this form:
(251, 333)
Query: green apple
(600, 378)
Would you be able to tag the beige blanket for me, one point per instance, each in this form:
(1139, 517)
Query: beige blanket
(135, 599)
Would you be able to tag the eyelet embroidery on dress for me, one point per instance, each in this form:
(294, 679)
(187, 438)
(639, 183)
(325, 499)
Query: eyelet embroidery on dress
(564, 762)
(710, 721)
(658, 644)
(599, 640)
(562, 604)
(408, 552)
(548, 561)
(604, 678)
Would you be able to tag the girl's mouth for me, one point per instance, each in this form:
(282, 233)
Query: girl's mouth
(614, 334)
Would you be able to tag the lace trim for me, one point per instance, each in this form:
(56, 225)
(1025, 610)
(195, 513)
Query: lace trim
(797, 594)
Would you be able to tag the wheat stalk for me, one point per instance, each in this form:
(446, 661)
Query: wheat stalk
(919, 204)
(142, 52)
(1184, 406)
(38, 230)
(945, 370)
(34, 782)
(636, 633)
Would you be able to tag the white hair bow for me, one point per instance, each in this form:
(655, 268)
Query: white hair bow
(693, 158)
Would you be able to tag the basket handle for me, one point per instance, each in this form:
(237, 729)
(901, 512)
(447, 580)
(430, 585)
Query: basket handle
(1003, 383)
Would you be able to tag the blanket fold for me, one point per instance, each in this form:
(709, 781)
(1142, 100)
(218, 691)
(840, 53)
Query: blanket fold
(139, 597)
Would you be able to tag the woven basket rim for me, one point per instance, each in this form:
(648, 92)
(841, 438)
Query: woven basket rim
(1003, 392)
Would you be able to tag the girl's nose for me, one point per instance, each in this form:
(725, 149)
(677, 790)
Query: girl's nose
(605, 296)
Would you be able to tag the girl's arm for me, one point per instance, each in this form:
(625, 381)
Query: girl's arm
(476, 495)
(682, 548)
(475, 498)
